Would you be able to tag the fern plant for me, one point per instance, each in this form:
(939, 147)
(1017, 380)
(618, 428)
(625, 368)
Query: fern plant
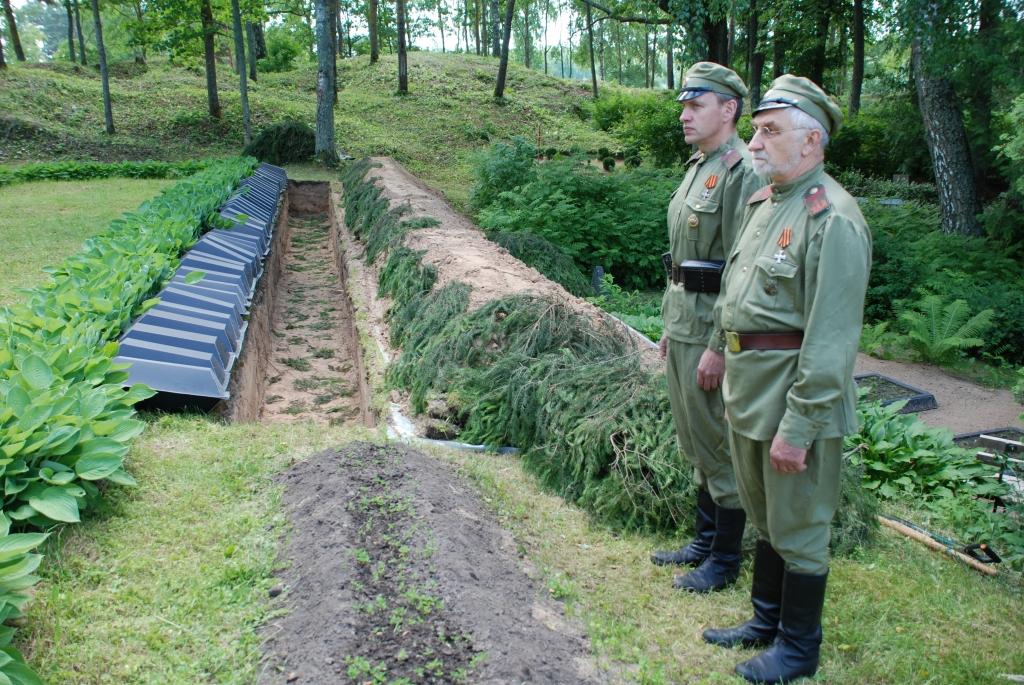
(939, 332)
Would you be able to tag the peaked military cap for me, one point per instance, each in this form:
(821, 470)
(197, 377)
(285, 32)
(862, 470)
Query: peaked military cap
(708, 77)
(805, 95)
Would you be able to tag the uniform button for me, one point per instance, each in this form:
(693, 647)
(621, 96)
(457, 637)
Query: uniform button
(772, 269)
(744, 269)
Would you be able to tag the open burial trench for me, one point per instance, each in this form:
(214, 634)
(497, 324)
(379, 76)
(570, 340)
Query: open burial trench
(302, 359)
(392, 570)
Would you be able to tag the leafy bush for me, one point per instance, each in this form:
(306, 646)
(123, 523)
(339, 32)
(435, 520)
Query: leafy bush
(905, 460)
(66, 421)
(502, 168)
(282, 49)
(912, 256)
(17, 566)
(885, 138)
(638, 311)
(938, 332)
(545, 257)
(614, 220)
(648, 121)
(289, 141)
(861, 185)
(82, 171)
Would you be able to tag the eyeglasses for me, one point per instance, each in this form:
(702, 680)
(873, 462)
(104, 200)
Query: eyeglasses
(767, 132)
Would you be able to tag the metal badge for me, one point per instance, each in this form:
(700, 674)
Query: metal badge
(771, 287)
(693, 221)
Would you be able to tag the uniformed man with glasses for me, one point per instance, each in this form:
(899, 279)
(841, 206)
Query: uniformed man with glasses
(704, 217)
(790, 314)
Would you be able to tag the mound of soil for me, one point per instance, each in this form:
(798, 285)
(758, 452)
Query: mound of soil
(398, 571)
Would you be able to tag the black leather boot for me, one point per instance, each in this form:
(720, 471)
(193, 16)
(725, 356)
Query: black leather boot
(794, 654)
(722, 567)
(697, 551)
(765, 595)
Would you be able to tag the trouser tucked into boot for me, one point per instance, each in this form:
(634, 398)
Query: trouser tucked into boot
(697, 551)
(765, 595)
(722, 566)
(796, 649)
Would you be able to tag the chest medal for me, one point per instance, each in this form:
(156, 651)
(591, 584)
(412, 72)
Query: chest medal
(693, 221)
(709, 185)
(771, 287)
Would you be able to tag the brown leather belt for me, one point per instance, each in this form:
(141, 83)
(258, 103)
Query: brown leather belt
(738, 342)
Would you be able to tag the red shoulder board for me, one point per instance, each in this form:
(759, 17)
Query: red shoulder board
(816, 201)
(761, 195)
(731, 158)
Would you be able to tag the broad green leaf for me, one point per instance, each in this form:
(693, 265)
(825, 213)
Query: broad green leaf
(110, 349)
(13, 486)
(5, 524)
(137, 393)
(22, 674)
(122, 477)
(102, 305)
(6, 633)
(22, 513)
(11, 450)
(17, 568)
(19, 543)
(56, 504)
(34, 417)
(95, 468)
(18, 400)
(36, 372)
(100, 447)
(61, 441)
(127, 430)
(194, 277)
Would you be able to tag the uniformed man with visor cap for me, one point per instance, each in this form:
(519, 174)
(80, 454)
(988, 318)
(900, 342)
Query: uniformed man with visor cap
(790, 313)
(704, 218)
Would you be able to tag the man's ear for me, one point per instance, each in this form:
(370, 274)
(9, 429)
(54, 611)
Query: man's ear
(729, 109)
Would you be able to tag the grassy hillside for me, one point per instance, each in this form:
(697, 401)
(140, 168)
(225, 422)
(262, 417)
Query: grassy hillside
(54, 111)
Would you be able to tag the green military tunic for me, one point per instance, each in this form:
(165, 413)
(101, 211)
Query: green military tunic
(704, 217)
(801, 263)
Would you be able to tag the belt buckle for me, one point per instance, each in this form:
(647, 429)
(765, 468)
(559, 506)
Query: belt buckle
(732, 341)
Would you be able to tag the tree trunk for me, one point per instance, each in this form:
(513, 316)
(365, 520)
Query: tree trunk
(78, 30)
(261, 40)
(817, 70)
(590, 40)
(670, 76)
(477, 6)
(371, 20)
(857, 80)
(647, 56)
(333, 8)
(403, 65)
(496, 31)
(3, 60)
(756, 68)
(526, 34)
(499, 86)
(243, 85)
(71, 30)
(209, 30)
(250, 39)
(618, 48)
(778, 50)
(440, 26)
(108, 114)
(947, 144)
(324, 143)
(716, 35)
(19, 54)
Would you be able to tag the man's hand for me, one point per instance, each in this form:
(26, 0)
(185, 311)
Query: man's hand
(710, 370)
(663, 346)
(786, 458)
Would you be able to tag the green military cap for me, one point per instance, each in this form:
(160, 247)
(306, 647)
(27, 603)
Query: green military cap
(805, 95)
(704, 77)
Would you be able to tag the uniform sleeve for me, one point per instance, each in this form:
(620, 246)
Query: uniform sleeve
(742, 184)
(837, 266)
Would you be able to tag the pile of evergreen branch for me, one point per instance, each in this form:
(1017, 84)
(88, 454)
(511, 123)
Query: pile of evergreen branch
(290, 141)
(572, 394)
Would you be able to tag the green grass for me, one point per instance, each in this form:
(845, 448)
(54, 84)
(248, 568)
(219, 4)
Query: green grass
(43, 222)
(54, 111)
(896, 613)
(168, 582)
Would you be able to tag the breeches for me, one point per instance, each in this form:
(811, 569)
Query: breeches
(699, 418)
(793, 511)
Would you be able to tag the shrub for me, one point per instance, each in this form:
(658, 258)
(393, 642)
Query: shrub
(648, 121)
(289, 141)
(885, 138)
(939, 332)
(615, 220)
(282, 49)
(502, 168)
(861, 185)
(82, 171)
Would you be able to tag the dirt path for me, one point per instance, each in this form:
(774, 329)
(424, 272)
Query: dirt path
(312, 372)
(398, 572)
(964, 407)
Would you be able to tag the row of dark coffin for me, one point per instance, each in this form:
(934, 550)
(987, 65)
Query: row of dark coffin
(185, 346)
